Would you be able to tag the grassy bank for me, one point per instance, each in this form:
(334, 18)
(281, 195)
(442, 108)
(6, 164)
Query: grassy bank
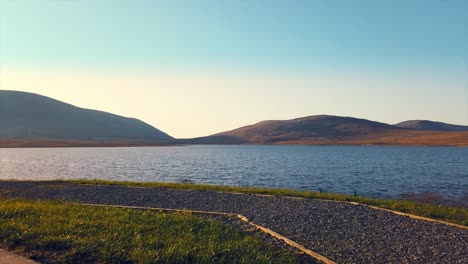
(55, 232)
(451, 214)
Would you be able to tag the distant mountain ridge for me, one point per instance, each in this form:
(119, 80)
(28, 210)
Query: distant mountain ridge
(32, 120)
(33, 116)
(427, 125)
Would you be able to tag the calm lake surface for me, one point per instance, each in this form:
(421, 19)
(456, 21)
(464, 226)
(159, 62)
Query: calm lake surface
(368, 170)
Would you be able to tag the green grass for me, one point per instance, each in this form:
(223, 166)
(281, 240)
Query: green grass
(450, 214)
(60, 232)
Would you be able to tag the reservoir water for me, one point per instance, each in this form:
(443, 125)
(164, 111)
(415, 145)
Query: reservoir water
(372, 171)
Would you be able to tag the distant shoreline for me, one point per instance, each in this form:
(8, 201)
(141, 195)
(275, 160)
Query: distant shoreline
(45, 143)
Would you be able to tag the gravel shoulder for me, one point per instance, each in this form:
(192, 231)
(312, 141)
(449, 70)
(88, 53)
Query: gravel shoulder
(343, 232)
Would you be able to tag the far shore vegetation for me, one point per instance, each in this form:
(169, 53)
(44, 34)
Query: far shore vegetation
(62, 232)
(455, 215)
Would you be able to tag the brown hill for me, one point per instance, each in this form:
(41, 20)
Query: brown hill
(311, 127)
(325, 129)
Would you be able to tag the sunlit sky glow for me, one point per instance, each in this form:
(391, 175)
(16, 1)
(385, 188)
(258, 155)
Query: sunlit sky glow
(193, 68)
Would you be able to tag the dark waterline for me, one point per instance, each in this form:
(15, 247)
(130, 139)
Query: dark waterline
(373, 171)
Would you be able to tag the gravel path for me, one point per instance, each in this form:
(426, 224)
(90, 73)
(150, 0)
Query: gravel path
(343, 232)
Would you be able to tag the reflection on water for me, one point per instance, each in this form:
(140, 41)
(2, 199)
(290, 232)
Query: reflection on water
(367, 170)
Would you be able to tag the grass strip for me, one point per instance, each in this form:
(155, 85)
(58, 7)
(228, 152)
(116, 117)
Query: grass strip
(61, 232)
(454, 215)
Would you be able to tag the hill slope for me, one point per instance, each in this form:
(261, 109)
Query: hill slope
(323, 127)
(330, 130)
(427, 125)
(32, 116)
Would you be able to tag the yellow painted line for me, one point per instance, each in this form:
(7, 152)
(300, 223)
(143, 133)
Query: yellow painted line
(241, 217)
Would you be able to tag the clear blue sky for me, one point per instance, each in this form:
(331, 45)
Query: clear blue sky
(192, 68)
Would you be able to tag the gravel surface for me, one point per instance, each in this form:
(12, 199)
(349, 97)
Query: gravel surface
(343, 232)
(235, 222)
